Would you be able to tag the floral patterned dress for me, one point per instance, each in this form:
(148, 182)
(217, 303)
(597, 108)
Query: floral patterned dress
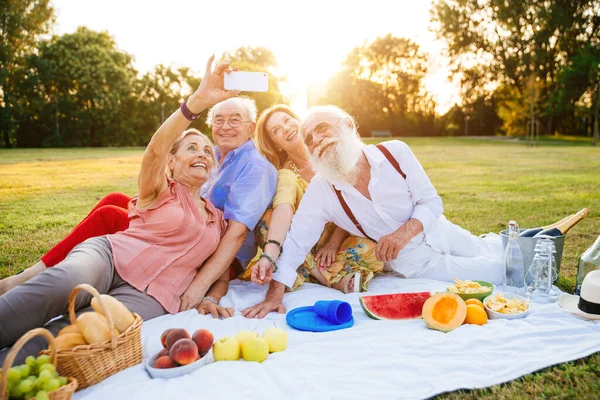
(356, 254)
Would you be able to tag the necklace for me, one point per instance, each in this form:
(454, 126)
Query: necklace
(297, 173)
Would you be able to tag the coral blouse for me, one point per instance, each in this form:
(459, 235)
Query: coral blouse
(166, 243)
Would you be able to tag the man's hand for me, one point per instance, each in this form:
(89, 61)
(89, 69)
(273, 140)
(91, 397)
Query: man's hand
(389, 246)
(272, 302)
(192, 297)
(262, 272)
(208, 307)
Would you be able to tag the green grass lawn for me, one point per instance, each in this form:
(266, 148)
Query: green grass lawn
(483, 183)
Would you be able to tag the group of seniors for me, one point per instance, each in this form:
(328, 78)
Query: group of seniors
(278, 201)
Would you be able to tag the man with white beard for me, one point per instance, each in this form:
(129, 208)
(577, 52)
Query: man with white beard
(380, 192)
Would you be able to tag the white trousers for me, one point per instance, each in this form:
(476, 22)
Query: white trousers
(449, 252)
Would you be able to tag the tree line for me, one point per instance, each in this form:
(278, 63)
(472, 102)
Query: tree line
(523, 66)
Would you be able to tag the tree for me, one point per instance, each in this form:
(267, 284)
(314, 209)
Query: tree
(21, 23)
(506, 42)
(381, 85)
(84, 87)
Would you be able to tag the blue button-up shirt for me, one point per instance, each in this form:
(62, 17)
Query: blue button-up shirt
(244, 188)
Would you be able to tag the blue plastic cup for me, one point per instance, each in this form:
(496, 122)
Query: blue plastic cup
(338, 312)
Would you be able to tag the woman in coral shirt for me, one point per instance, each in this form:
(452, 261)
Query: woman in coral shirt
(150, 264)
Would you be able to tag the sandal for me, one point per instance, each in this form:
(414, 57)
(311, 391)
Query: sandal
(345, 283)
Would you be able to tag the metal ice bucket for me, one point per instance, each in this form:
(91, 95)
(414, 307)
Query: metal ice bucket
(527, 245)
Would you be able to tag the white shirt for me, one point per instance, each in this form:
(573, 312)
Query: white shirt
(394, 201)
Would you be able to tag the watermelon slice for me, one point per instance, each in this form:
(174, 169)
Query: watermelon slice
(394, 306)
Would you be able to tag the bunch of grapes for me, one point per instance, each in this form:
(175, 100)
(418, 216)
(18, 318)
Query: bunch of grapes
(34, 379)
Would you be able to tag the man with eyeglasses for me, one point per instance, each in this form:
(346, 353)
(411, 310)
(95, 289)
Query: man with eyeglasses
(243, 189)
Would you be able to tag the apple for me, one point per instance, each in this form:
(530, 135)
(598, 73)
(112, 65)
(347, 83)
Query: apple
(255, 349)
(244, 335)
(276, 338)
(226, 349)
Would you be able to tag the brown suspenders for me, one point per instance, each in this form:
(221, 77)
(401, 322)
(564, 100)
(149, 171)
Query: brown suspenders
(345, 206)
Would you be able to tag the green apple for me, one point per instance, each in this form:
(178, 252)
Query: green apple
(226, 349)
(255, 349)
(244, 335)
(276, 338)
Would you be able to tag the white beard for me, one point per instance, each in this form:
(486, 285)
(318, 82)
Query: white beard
(339, 161)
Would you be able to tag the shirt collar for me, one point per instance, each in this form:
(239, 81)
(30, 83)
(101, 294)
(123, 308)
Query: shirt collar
(246, 147)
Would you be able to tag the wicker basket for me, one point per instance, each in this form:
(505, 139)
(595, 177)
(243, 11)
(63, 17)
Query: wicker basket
(63, 393)
(91, 364)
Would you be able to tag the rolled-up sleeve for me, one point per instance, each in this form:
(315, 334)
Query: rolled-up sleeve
(307, 225)
(251, 193)
(427, 204)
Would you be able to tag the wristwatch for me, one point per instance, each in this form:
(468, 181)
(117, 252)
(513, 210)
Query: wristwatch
(190, 116)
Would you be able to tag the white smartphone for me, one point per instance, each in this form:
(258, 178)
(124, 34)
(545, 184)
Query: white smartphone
(247, 81)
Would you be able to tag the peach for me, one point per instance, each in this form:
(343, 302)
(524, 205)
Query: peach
(164, 362)
(184, 351)
(204, 340)
(163, 352)
(163, 337)
(175, 335)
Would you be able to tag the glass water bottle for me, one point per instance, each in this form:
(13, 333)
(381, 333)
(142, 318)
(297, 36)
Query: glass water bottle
(514, 266)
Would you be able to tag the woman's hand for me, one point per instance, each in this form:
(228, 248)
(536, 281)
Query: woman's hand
(262, 272)
(192, 297)
(211, 90)
(326, 254)
(208, 307)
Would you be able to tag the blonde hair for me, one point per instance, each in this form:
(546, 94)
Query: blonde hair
(264, 143)
(180, 139)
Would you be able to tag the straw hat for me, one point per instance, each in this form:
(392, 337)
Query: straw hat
(587, 305)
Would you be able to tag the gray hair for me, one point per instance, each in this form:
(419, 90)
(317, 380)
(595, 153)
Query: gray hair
(246, 103)
(333, 111)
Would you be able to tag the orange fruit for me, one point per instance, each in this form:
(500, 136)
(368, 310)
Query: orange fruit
(476, 315)
(476, 302)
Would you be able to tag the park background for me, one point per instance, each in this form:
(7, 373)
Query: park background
(464, 83)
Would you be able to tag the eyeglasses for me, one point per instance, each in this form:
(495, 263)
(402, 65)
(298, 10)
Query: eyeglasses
(233, 122)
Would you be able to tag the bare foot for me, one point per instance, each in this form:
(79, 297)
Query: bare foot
(346, 284)
(7, 284)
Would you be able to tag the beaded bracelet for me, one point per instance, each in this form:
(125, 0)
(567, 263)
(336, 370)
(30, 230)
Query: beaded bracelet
(274, 242)
(268, 257)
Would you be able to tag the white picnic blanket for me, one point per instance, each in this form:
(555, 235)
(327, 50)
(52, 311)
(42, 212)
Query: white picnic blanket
(373, 359)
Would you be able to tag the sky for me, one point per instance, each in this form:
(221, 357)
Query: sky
(309, 38)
